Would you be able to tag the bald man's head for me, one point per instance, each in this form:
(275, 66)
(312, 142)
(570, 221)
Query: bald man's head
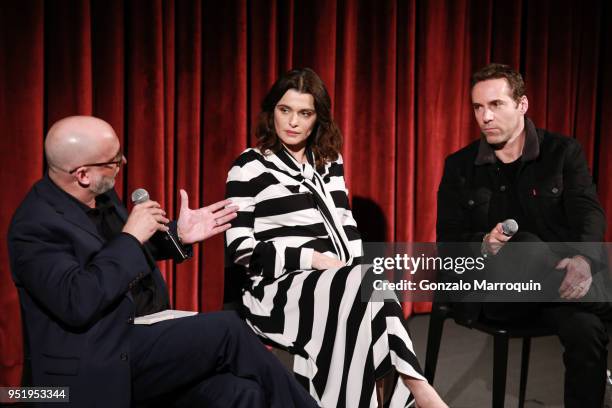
(77, 140)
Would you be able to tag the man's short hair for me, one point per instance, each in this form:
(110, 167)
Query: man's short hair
(496, 71)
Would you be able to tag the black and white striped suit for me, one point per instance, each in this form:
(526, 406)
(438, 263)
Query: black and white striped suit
(341, 344)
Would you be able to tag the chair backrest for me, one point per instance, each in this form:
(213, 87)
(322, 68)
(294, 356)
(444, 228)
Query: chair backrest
(235, 278)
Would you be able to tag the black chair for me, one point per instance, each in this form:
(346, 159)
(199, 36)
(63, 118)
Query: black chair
(501, 332)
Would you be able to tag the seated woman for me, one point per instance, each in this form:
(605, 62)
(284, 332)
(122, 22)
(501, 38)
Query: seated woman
(299, 243)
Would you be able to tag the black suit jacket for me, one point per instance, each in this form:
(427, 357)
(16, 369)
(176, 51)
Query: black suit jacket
(74, 290)
(555, 191)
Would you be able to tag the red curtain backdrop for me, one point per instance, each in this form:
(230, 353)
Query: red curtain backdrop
(181, 82)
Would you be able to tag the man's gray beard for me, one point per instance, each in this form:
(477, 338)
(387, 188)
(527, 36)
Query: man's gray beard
(102, 185)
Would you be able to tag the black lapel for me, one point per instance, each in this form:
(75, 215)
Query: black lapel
(119, 207)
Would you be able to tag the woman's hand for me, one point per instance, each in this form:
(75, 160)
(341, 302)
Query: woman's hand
(322, 262)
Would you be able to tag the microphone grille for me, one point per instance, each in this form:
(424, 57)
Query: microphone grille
(139, 196)
(510, 227)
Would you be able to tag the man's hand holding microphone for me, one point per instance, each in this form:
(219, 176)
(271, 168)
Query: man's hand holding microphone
(147, 218)
(499, 235)
(578, 277)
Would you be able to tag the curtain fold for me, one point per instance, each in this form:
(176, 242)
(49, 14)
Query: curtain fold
(181, 82)
(68, 66)
(224, 100)
(186, 150)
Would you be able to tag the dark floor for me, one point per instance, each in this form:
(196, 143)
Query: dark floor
(465, 366)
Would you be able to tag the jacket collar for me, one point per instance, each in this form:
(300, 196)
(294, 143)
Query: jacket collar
(531, 149)
(69, 207)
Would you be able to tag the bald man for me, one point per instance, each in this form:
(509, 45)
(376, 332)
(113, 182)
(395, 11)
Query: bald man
(84, 268)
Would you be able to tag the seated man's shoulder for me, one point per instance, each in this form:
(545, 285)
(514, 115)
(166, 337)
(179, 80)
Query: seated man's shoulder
(36, 211)
(556, 138)
(557, 142)
(465, 154)
(34, 204)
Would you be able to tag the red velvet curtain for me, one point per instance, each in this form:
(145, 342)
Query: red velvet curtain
(181, 82)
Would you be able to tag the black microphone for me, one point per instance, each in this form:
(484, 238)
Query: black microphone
(139, 196)
(509, 227)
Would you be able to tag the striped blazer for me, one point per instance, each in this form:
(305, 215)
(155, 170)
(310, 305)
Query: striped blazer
(288, 210)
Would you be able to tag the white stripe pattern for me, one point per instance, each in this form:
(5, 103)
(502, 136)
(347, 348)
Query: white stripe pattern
(342, 344)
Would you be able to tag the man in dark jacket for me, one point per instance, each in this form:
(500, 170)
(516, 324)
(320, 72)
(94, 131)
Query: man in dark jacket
(85, 269)
(541, 180)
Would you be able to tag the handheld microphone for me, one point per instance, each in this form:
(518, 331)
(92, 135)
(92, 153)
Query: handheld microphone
(509, 227)
(139, 196)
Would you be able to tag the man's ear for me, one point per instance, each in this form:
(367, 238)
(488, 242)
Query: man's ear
(523, 104)
(82, 176)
